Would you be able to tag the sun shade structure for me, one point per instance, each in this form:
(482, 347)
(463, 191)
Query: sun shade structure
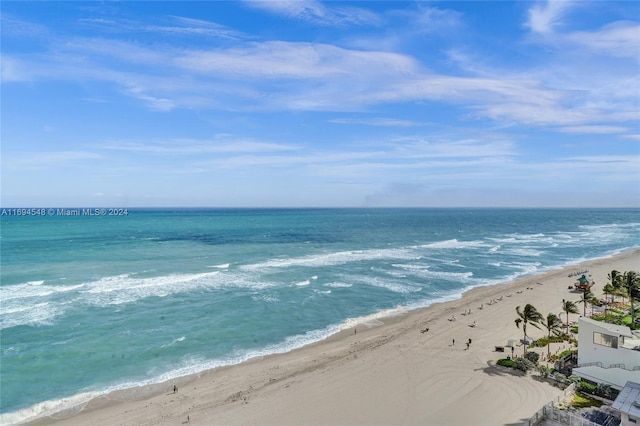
(584, 283)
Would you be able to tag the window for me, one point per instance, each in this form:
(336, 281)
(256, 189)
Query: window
(605, 340)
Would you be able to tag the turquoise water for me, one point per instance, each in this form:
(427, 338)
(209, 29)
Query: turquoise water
(91, 304)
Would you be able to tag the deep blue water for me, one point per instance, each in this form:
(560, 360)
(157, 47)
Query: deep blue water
(96, 303)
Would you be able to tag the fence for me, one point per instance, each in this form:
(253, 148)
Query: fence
(548, 409)
(564, 417)
(570, 419)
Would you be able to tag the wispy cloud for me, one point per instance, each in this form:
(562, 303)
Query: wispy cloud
(382, 122)
(170, 25)
(594, 129)
(427, 19)
(315, 12)
(48, 160)
(615, 39)
(219, 144)
(298, 76)
(545, 15)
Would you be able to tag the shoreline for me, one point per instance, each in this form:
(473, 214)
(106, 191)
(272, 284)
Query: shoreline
(335, 351)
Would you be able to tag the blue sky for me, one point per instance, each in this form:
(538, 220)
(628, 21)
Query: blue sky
(321, 104)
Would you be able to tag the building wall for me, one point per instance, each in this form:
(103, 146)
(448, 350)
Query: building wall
(589, 352)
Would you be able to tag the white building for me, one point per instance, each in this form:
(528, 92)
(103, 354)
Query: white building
(628, 403)
(607, 353)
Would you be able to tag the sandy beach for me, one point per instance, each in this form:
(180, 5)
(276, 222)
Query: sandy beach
(381, 373)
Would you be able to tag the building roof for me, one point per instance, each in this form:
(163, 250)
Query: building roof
(620, 330)
(628, 400)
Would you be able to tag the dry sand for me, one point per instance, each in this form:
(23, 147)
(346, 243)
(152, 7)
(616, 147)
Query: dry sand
(386, 374)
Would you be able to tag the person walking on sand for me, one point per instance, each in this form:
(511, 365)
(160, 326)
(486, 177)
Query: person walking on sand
(175, 389)
(453, 343)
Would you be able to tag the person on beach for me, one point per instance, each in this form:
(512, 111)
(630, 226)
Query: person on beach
(454, 342)
(175, 389)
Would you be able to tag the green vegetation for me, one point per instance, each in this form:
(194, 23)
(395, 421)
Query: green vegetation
(587, 298)
(568, 307)
(626, 285)
(601, 389)
(581, 401)
(587, 387)
(505, 362)
(532, 356)
(553, 325)
(562, 354)
(623, 285)
(521, 364)
(544, 341)
(529, 315)
(631, 283)
(574, 378)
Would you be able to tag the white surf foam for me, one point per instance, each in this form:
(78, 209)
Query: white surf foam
(334, 258)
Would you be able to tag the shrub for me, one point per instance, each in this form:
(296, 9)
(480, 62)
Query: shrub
(532, 356)
(544, 371)
(507, 363)
(565, 353)
(524, 364)
(559, 377)
(604, 390)
(544, 341)
(580, 401)
(574, 378)
(587, 387)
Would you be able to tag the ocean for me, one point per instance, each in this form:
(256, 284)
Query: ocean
(93, 301)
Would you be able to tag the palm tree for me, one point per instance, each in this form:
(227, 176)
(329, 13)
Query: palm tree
(526, 316)
(608, 290)
(631, 283)
(622, 292)
(587, 297)
(615, 278)
(569, 307)
(552, 324)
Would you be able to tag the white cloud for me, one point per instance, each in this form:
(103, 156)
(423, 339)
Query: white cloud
(616, 39)
(284, 60)
(173, 25)
(545, 15)
(47, 160)
(383, 122)
(594, 129)
(315, 12)
(219, 144)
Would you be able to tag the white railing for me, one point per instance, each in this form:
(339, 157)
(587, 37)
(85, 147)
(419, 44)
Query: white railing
(548, 410)
(564, 417)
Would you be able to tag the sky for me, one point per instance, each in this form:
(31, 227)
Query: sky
(320, 104)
